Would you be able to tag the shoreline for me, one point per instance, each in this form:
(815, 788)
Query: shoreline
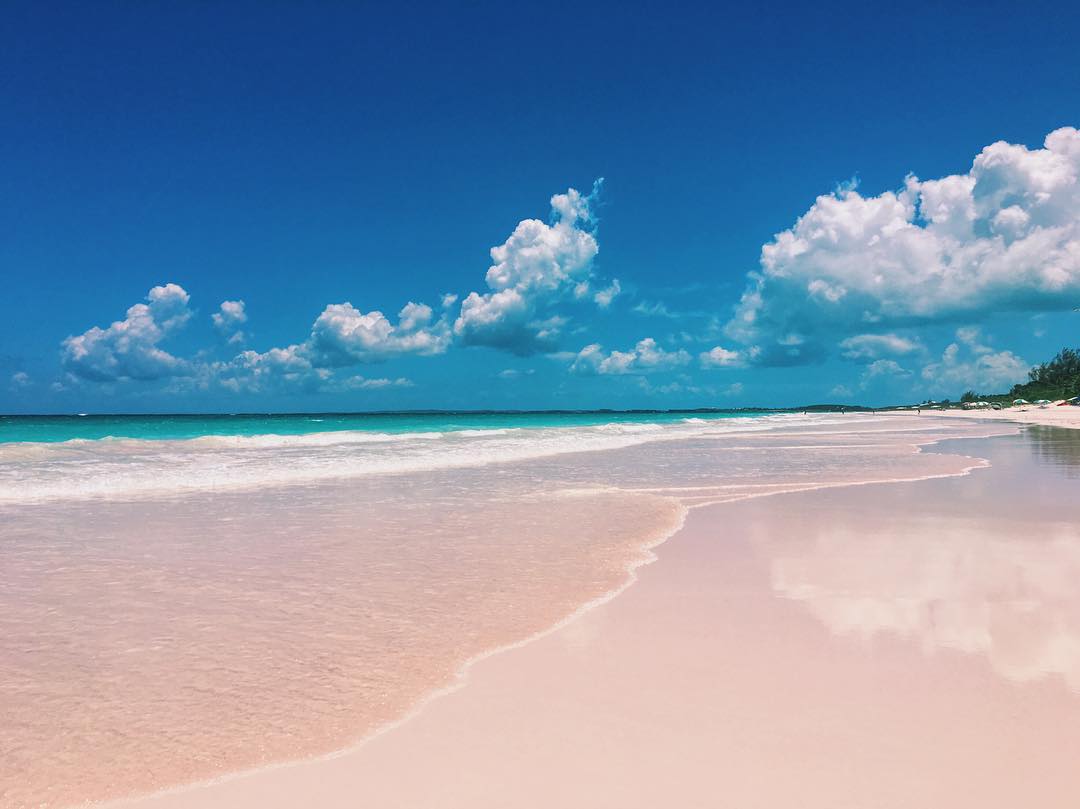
(648, 554)
(460, 680)
(1066, 417)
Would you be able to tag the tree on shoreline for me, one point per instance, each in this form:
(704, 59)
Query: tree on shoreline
(1057, 379)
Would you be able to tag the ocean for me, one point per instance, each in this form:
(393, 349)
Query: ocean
(51, 429)
(46, 458)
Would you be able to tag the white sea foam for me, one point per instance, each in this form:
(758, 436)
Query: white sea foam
(122, 468)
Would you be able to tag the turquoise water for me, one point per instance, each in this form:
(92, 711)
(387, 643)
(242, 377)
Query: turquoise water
(51, 429)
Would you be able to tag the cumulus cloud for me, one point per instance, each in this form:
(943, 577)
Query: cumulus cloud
(343, 335)
(254, 371)
(289, 368)
(720, 357)
(536, 267)
(1005, 236)
(882, 370)
(885, 368)
(970, 364)
(129, 348)
(20, 379)
(869, 347)
(645, 357)
(540, 266)
(231, 315)
(340, 337)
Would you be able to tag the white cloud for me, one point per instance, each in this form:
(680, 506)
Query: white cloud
(645, 357)
(720, 357)
(343, 335)
(20, 379)
(340, 337)
(969, 364)
(365, 383)
(1003, 237)
(655, 309)
(842, 391)
(537, 266)
(867, 347)
(287, 368)
(514, 373)
(734, 389)
(887, 370)
(129, 348)
(231, 315)
(255, 371)
(604, 297)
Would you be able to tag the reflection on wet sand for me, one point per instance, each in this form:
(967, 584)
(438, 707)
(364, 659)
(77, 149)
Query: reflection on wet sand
(992, 574)
(1056, 447)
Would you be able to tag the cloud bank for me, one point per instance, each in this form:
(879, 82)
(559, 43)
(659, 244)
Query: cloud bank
(1004, 237)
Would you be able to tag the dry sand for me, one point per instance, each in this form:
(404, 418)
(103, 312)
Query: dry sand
(1064, 416)
(894, 645)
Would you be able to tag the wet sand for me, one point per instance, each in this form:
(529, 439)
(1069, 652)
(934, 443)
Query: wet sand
(893, 645)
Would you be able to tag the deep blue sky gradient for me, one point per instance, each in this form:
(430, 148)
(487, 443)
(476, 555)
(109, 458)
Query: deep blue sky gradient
(296, 155)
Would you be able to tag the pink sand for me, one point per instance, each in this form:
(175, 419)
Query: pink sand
(895, 645)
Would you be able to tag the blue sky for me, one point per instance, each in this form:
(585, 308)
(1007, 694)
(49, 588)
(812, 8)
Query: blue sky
(298, 158)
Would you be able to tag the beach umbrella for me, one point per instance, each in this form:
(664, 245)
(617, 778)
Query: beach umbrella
(1021, 402)
(1042, 402)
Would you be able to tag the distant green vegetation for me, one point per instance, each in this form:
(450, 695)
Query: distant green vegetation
(829, 408)
(1057, 379)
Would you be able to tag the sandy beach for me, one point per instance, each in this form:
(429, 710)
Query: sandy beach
(1066, 416)
(902, 644)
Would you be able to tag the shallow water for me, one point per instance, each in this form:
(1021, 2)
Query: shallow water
(181, 426)
(992, 573)
(161, 623)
